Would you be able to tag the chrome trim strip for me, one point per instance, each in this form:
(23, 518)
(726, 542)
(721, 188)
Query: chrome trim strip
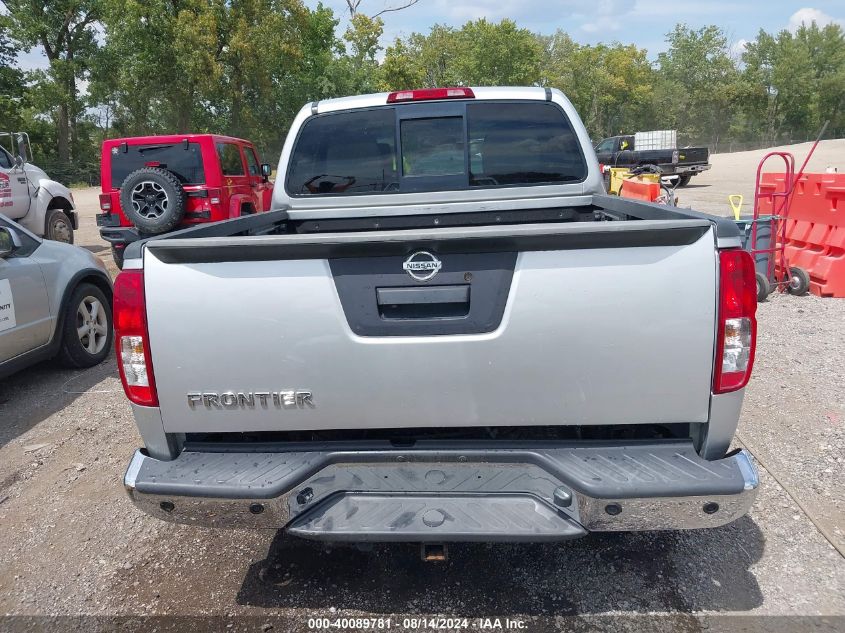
(133, 469)
(746, 467)
(133, 264)
(728, 242)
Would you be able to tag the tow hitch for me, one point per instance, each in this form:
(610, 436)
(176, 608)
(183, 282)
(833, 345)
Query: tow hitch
(434, 552)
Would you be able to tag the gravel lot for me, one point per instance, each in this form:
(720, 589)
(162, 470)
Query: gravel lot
(73, 545)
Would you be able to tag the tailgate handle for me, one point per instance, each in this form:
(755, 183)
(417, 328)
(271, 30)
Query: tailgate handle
(434, 302)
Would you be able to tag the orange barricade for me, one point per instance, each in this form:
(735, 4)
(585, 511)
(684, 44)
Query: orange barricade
(640, 189)
(815, 229)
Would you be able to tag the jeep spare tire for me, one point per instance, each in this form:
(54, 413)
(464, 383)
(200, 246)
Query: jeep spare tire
(153, 198)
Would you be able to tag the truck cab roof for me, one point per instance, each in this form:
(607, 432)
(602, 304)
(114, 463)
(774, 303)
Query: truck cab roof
(172, 138)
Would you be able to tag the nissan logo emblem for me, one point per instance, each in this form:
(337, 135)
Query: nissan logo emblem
(422, 265)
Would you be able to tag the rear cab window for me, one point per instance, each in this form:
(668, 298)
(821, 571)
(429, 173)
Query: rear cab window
(460, 146)
(184, 160)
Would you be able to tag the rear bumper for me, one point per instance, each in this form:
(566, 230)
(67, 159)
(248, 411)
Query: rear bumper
(690, 169)
(119, 235)
(477, 494)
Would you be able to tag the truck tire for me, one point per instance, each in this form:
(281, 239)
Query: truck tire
(764, 288)
(683, 180)
(58, 227)
(799, 281)
(86, 328)
(153, 199)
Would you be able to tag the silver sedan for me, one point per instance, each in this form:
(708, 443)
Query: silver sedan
(55, 301)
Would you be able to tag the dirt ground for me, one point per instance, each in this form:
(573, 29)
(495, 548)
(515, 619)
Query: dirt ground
(73, 544)
(734, 173)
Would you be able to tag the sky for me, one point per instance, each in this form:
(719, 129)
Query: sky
(641, 22)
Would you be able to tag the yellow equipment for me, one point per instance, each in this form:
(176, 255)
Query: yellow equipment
(620, 174)
(736, 204)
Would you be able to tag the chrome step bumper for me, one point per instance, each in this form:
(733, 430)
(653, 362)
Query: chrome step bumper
(472, 494)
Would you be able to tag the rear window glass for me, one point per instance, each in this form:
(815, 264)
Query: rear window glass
(186, 164)
(433, 147)
(517, 144)
(351, 152)
(230, 159)
(494, 144)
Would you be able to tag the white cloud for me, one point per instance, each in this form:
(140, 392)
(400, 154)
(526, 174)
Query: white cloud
(807, 16)
(605, 16)
(458, 12)
(685, 9)
(738, 47)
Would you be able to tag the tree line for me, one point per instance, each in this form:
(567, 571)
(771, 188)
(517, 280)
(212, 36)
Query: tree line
(244, 68)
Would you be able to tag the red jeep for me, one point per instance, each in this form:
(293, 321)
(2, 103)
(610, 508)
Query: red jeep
(155, 184)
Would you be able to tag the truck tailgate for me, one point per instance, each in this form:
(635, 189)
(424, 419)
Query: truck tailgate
(564, 324)
(691, 155)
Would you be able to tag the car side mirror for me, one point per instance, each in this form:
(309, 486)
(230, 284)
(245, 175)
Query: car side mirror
(18, 162)
(266, 170)
(23, 148)
(9, 242)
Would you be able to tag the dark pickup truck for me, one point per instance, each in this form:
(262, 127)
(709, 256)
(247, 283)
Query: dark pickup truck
(621, 151)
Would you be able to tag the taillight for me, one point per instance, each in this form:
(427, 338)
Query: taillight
(105, 201)
(430, 94)
(132, 340)
(736, 336)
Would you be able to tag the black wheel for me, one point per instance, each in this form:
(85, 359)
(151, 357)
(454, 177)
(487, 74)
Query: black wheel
(117, 256)
(799, 281)
(683, 180)
(764, 288)
(153, 199)
(87, 328)
(58, 227)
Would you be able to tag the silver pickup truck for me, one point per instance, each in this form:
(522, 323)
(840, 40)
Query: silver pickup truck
(443, 331)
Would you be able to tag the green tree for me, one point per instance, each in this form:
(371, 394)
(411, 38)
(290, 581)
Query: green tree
(242, 67)
(359, 64)
(423, 61)
(64, 29)
(481, 53)
(12, 84)
(701, 87)
(797, 81)
(610, 86)
(156, 86)
(497, 54)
